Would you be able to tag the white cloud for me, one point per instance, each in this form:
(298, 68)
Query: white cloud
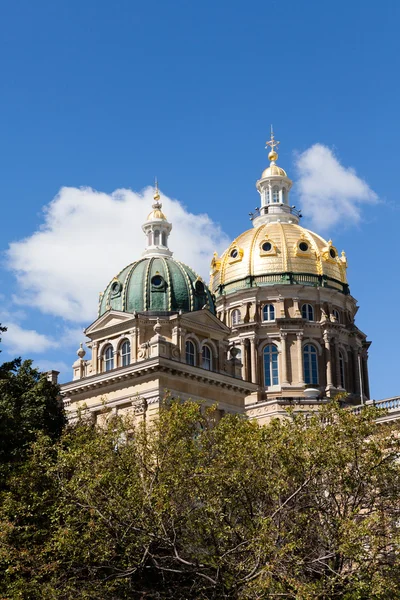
(329, 192)
(18, 340)
(49, 365)
(88, 236)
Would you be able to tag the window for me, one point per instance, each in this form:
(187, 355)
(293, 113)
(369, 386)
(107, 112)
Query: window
(235, 317)
(275, 194)
(157, 281)
(199, 287)
(149, 236)
(190, 354)
(234, 253)
(336, 314)
(206, 358)
(341, 369)
(125, 354)
(163, 239)
(310, 358)
(156, 237)
(284, 194)
(269, 312)
(271, 365)
(108, 358)
(307, 312)
(267, 246)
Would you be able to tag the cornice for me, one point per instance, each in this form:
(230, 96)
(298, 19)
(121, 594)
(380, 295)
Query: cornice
(152, 366)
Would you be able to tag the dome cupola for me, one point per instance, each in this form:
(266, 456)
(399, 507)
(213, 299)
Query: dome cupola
(274, 187)
(156, 282)
(157, 229)
(277, 250)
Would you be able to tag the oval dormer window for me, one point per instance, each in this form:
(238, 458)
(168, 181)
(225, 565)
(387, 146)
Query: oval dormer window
(234, 253)
(267, 246)
(199, 287)
(157, 280)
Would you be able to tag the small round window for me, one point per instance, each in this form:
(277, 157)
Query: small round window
(157, 281)
(267, 246)
(115, 287)
(199, 287)
(234, 253)
(303, 246)
(332, 253)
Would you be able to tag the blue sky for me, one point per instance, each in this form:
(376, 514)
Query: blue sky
(107, 95)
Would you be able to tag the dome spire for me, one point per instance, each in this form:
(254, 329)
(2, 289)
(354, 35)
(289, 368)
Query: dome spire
(156, 192)
(272, 143)
(274, 187)
(157, 228)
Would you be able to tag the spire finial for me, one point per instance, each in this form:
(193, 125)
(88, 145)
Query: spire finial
(156, 192)
(272, 143)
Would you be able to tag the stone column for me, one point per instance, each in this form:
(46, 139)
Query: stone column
(254, 360)
(329, 383)
(222, 356)
(133, 339)
(280, 308)
(365, 373)
(284, 379)
(297, 312)
(337, 360)
(300, 367)
(243, 348)
(95, 359)
(182, 344)
(357, 381)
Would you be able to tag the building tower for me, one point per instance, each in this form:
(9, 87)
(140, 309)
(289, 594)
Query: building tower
(156, 331)
(282, 290)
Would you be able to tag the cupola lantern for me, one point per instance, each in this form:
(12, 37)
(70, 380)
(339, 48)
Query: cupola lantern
(274, 187)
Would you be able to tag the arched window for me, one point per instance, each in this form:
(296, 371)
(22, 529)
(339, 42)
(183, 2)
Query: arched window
(156, 237)
(235, 316)
(163, 239)
(190, 353)
(275, 194)
(269, 312)
(336, 314)
(108, 358)
(341, 370)
(271, 376)
(310, 359)
(125, 354)
(206, 358)
(307, 312)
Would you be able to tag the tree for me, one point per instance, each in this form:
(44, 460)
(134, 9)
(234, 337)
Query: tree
(29, 403)
(193, 506)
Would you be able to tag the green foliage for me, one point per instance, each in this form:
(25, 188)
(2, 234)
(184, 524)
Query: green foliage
(196, 507)
(28, 403)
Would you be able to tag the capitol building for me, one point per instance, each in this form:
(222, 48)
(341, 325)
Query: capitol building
(273, 328)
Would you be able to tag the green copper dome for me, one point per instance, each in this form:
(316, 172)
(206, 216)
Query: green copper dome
(158, 284)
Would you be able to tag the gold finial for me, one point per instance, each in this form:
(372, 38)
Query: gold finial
(156, 192)
(272, 143)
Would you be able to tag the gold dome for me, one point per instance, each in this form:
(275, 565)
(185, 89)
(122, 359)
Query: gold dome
(273, 170)
(275, 253)
(156, 213)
